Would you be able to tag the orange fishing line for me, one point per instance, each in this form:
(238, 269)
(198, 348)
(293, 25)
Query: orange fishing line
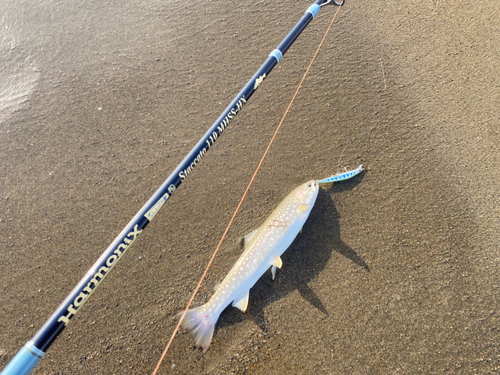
(242, 198)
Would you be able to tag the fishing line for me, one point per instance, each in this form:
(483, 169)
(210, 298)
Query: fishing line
(381, 54)
(242, 198)
(348, 143)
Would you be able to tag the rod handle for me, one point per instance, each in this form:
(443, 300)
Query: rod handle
(24, 361)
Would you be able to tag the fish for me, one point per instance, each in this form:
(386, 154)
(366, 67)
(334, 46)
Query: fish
(262, 250)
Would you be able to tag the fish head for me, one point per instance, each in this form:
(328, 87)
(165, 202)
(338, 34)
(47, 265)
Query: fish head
(306, 193)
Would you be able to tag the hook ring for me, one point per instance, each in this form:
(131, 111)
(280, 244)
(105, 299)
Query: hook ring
(334, 2)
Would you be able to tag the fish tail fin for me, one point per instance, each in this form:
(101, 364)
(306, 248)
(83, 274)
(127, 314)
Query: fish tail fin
(200, 325)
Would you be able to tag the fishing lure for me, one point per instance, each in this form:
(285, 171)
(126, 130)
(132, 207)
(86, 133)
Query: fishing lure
(342, 176)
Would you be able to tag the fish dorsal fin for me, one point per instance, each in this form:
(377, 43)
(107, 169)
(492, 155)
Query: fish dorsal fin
(248, 237)
(277, 263)
(242, 303)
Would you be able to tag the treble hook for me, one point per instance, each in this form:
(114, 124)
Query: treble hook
(339, 4)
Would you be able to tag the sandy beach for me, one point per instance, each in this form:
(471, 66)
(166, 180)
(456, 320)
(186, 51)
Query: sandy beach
(395, 272)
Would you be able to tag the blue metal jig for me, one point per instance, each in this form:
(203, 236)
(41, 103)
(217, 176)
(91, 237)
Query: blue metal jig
(342, 176)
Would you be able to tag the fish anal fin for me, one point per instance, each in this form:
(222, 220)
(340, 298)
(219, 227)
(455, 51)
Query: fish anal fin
(242, 303)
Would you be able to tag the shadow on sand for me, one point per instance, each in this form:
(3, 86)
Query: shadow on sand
(302, 262)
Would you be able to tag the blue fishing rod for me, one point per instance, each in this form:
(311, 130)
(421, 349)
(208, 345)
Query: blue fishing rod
(27, 358)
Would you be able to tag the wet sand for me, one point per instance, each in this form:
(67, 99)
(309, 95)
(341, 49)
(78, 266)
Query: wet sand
(396, 271)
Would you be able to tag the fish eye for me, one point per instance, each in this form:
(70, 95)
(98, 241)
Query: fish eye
(308, 185)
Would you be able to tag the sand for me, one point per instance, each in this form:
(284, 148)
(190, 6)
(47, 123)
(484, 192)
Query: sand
(395, 272)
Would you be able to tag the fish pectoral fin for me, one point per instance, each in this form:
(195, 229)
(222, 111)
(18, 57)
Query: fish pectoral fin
(242, 303)
(277, 263)
(249, 237)
(302, 208)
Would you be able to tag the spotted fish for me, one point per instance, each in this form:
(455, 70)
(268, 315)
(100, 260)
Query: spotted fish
(262, 249)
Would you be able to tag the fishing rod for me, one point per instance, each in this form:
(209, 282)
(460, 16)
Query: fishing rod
(27, 358)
